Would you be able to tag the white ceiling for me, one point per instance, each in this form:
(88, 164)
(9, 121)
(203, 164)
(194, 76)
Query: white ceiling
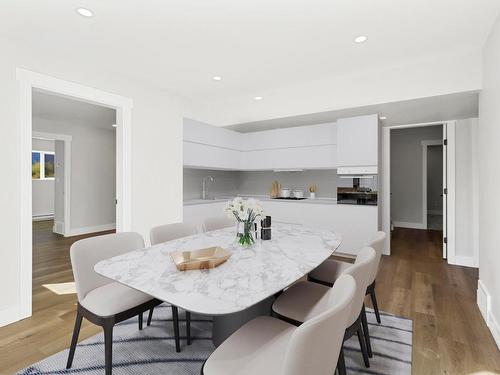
(438, 108)
(60, 108)
(255, 45)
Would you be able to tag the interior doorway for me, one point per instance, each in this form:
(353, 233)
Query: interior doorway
(73, 161)
(29, 82)
(418, 164)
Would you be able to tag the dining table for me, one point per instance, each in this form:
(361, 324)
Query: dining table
(236, 291)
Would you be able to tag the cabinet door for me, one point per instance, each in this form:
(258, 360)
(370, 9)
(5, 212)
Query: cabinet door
(357, 141)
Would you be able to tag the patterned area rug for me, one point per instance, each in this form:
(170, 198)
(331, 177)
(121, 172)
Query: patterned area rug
(152, 350)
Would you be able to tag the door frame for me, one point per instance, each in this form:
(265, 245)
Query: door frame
(27, 81)
(425, 146)
(67, 173)
(450, 168)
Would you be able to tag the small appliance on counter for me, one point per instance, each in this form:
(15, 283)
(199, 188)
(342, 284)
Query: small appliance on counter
(265, 228)
(358, 190)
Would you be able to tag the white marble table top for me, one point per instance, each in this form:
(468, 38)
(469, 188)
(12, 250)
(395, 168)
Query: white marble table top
(249, 276)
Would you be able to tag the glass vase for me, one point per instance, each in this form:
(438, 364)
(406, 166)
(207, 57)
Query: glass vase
(246, 234)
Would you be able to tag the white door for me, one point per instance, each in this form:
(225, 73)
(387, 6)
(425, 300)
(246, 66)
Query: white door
(445, 193)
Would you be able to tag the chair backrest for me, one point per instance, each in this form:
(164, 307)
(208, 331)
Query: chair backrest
(87, 252)
(360, 270)
(315, 346)
(377, 244)
(170, 232)
(214, 223)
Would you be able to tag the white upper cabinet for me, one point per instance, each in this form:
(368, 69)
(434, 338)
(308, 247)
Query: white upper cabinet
(305, 147)
(357, 145)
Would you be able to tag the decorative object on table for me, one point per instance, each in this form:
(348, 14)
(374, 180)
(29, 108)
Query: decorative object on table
(298, 194)
(209, 257)
(312, 191)
(245, 211)
(265, 228)
(275, 189)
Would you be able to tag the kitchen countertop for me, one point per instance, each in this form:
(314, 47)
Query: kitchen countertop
(249, 276)
(191, 202)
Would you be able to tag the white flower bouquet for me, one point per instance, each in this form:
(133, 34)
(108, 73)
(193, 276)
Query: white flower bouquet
(245, 211)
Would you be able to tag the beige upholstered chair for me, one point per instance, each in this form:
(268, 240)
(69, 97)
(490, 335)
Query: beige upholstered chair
(100, 300)
(305, 300)
(214, 223)
(169, 232)
(331, 269)
(267, 345)
(165, 233)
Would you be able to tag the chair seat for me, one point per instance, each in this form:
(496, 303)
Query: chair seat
(329, 271)
(258, 347)
(302, 301)
(113, 298)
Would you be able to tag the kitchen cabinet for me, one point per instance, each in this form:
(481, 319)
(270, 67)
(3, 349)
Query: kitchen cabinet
(356, 224)
(358, 145)
(305, 147)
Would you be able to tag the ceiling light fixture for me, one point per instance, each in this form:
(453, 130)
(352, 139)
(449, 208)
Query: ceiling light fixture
(84, 12)
(217, 78)
(258, 97)
(383, 117)
(360, 39)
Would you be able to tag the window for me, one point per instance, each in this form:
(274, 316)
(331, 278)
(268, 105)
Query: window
(42, 165)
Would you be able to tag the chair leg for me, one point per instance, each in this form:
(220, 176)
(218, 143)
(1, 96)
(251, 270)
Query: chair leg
(188, 327)
(175, 318)
(74, 340)
(341, 362)
(140, 321)
(150, 316)
(375, 304)
(363, 347)
(108, 347)
(366, 332)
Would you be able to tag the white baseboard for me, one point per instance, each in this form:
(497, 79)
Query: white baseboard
(484, 303)
(86, 230)
(43, 217)
(405, 224)
(9, 315)
(434, 212)
(460, 260)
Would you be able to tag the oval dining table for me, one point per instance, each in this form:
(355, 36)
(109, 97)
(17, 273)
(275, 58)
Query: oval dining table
(234, 292)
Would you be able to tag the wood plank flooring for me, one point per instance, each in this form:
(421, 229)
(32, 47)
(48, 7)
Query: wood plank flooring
(450, 336)
(49, 330)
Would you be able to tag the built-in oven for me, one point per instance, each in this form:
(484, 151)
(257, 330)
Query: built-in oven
(360, 190)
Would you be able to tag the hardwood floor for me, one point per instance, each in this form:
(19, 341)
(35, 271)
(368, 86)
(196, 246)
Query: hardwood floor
(450, 337)
(49, 330)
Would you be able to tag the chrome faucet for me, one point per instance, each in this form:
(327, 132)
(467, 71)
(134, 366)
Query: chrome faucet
(204, 191)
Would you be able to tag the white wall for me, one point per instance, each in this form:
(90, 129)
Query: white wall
(489, 180)
(43, 190)
(465, 192)
(406, 173)
(156, 151)
(435, 179)
(93, 172)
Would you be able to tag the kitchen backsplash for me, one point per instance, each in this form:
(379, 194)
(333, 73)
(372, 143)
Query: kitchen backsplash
(259, 182)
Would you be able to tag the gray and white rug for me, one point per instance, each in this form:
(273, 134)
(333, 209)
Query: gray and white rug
(152, 350)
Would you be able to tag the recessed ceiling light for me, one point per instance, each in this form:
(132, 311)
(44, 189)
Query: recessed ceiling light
(114, 125)
(217, 78)
(360, 39)
(84, 12)
(258, 97)
(383, 117)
